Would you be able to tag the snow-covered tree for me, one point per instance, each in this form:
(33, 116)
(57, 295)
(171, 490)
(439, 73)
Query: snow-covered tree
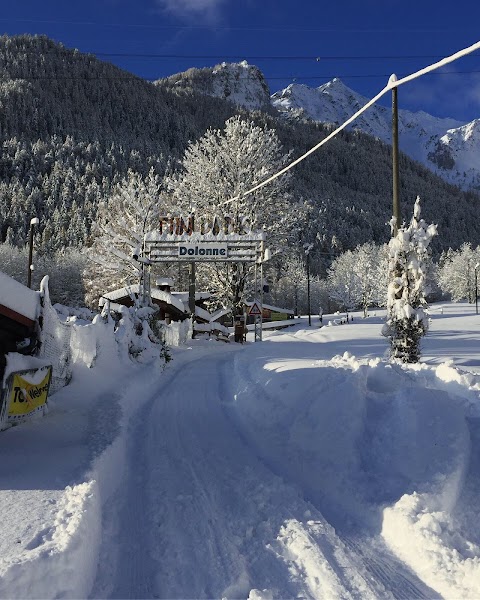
(407, 320)
(456, 274)
(358, 278)
(215, 173)
(122, 222)
(290, 287)
(342, 281)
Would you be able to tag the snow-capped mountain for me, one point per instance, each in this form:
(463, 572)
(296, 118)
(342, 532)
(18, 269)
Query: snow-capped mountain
(241, 83)
(446, 146)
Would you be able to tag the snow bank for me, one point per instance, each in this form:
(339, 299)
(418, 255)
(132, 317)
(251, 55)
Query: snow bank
(428, 528)
(373, 442)
(61, 558)
(430, 542)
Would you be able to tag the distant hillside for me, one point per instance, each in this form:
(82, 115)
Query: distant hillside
(47, 89)
(71, 126)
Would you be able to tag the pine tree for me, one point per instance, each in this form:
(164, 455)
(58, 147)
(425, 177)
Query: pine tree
(407, 320)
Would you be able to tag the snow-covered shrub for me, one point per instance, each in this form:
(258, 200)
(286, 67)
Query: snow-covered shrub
(407, 320)
(55, 341)
(137, 334)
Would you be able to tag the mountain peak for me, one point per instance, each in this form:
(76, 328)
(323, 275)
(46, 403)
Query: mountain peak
(335, 83)
(446, 146)
(241, 83)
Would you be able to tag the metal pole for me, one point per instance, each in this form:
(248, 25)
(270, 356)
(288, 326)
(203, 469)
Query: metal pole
(308, 290)
(476, 291)
(256, 335)
(395, 174)
(191, 295)
(30, 259)
(191, 287)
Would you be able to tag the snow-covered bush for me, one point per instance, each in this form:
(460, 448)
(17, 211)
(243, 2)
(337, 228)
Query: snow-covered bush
(407, 320)
(137, 335)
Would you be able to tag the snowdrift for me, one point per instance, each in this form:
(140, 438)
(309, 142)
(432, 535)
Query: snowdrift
(373, 443)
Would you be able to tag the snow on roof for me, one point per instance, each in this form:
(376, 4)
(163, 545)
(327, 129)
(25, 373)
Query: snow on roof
(129, 290)
(18, 297)
(164, 281)
(203, 314)
(134, 290)
(220, 313)
(287, 311)
(183, 296)
(168, 298)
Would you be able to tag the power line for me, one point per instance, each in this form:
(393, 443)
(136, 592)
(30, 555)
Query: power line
(357, 76)
(133, 77)
(234, 28)
(316, 58)
(308, 57)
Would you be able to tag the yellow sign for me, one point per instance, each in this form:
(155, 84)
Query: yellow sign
(26, 393)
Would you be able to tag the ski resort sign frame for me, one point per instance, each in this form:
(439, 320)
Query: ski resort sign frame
(216, 239)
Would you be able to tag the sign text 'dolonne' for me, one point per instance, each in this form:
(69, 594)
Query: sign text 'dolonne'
(204, 250)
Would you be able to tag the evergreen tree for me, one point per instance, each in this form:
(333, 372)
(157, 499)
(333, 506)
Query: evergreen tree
(407, 320)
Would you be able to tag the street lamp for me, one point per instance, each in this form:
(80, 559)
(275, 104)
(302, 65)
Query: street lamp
(33, 222)
(476, 289)
(307, 248)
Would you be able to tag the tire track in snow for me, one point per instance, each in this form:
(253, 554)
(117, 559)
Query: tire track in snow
(199, 479)
(382, 565)
(220, 511)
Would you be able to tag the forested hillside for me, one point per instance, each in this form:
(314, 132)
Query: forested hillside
(71, 127)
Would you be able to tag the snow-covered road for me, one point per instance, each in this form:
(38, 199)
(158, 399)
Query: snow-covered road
(288, 468)
(201, 515)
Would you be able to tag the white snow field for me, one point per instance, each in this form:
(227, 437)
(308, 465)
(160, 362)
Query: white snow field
(305, 466)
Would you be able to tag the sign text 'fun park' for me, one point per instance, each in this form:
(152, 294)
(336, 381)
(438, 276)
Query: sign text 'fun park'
(205, 225)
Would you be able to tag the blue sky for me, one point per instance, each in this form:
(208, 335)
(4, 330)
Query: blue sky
(310, 42)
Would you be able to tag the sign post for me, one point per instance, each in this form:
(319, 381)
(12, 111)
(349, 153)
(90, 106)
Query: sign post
(207, 240)
(256, 312)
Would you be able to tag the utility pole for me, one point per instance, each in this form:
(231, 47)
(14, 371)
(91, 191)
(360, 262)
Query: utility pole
(476, 289)
(307, 248)
(396, 178)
